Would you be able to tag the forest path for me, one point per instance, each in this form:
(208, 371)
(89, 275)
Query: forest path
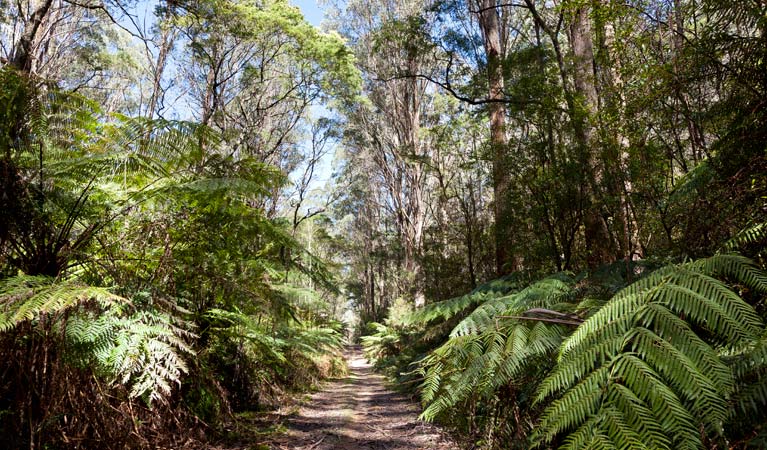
(360, 412)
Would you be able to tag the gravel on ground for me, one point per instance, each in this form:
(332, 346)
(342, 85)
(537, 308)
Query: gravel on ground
(360, 412)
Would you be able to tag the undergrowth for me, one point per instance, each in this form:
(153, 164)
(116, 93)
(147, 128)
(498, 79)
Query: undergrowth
(659, 356)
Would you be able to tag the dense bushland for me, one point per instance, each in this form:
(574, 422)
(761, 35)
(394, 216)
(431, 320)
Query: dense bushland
(144, 292)
(668, 357)
(162, 264)
(546, 218)
(626, 152)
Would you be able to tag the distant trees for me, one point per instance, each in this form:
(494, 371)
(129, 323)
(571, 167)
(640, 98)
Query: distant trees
(585, 141)
(389, 130)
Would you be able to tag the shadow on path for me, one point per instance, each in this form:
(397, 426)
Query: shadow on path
(359, 412)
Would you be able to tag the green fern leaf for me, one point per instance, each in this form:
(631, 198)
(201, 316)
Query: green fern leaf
(658, 339)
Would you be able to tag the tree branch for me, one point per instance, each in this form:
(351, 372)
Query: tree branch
(450, 90)
(502, 5)
(559, 317)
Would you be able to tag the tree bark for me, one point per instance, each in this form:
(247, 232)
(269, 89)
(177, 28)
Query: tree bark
(490, 24)
(626, 225)
(599, 245)
(22, 52)
(166, 43)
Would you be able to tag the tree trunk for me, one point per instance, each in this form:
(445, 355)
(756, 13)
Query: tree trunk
(397, 151)
(626, 226)
(166, 43)
(490, 24)
(599, 243)
(22, 53)
(416, 210)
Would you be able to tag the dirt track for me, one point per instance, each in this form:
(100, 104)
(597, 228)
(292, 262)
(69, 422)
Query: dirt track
(360, 412)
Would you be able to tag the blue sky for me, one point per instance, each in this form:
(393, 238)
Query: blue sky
(312, 11)
(314, 14)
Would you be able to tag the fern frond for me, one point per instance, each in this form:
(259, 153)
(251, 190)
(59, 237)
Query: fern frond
(26, 297)
(144, 351)
(750, 370)
(242, 326)
(482, 317)
(576, 406)
(638, 415)
(582, 437)
(543, 340)
(448, 309)
(546, 292)
(733, 267)
(570, 369)
(659, 340)
(618, 429)
(490, 348)
(676, 420)
(679, 335)
(683, 375)
(746, 236)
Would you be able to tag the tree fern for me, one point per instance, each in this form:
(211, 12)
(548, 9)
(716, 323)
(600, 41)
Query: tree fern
(549, 291)
(447, 309)
(748, 404)
(24, 298)
(492, 346)
(647, 367)
(144, 351)
(241, 326)
(383, 342)
(274, 345)
(746, 236)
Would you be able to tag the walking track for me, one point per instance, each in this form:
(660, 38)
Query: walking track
(360, 412)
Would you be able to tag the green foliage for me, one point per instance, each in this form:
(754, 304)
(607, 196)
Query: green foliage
(647, 369)
(144, 350)
(288, 354)
(325, 54)
(657, 157)
(447, 309)
(172, 217)
(494, 345)
(749, 235)
(382, 342)
(749, 368)
(15, 100)
(31, 298)
(550, 291)
(673, 360)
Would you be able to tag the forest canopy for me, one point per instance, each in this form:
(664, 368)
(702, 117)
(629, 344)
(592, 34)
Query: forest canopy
(548, 216)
